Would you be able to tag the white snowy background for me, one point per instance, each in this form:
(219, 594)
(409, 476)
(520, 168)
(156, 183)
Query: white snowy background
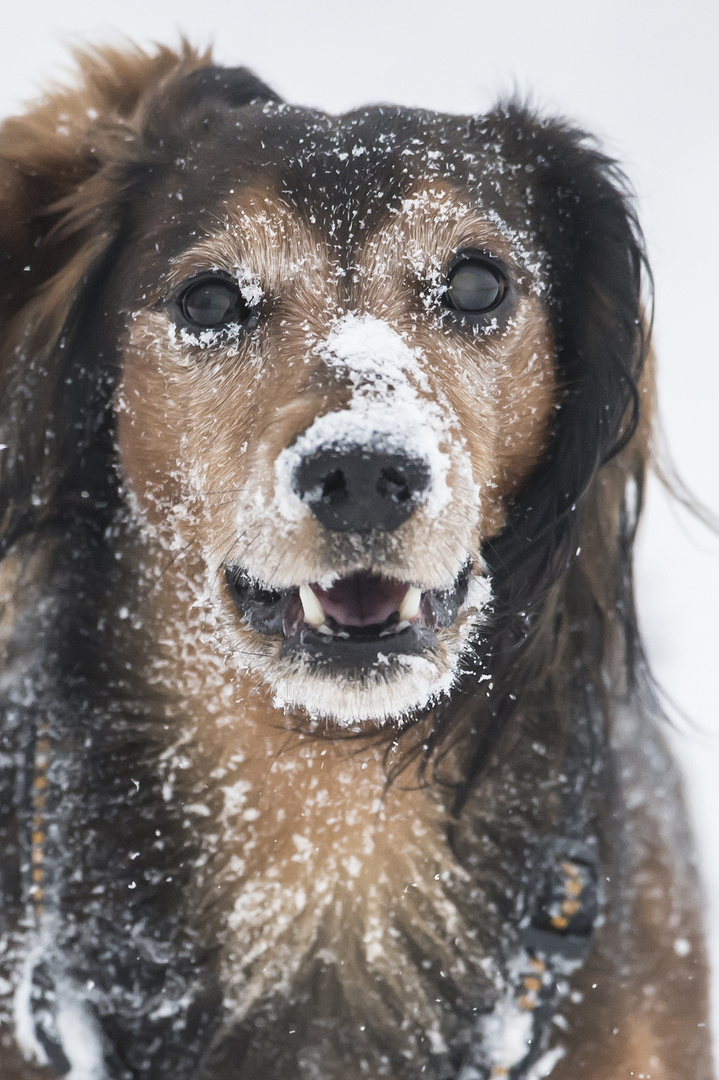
(644, 76)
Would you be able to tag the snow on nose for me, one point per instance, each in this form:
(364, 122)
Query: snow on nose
(391, 412)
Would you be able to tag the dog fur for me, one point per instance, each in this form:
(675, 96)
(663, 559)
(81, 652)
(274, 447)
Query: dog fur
(221, 859)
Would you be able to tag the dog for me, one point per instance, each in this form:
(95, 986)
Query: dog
(329, 745)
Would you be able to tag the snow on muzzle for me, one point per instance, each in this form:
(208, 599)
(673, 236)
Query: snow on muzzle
(350, 622)
(360, 489)
(364, 469)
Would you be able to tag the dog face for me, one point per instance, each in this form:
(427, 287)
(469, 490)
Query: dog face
(338, 369)
(363, 368)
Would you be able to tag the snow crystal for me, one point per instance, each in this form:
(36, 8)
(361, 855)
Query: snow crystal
(227, 336)
(77, 1030)
(27, 1040)
(507, 1033)
(353, 866)
(235, 796)
(80, 1038)
(682, 947)
(544, 1066)
(479, 594)
(436, 1041)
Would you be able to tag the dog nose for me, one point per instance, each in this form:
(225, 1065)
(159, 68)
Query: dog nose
(354, 489)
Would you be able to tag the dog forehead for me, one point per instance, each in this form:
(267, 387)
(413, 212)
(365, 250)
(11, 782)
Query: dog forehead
(341, 173)
(331, 184)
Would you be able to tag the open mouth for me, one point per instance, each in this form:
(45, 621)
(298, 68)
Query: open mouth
(352, 623)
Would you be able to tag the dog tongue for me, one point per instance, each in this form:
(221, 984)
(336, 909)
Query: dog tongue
(361, 599)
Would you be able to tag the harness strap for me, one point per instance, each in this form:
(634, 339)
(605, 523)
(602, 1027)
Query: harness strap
(561, 908)
(557, 934)
(41, 764)
(555, 939)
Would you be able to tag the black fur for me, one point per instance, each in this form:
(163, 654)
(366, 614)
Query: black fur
(562, 623)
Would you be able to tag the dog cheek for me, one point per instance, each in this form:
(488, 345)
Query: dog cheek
(152, 425)
(525, 397)
(526, 418)
(477, 492)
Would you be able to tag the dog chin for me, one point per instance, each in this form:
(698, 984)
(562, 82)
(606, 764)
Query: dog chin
(392, 692)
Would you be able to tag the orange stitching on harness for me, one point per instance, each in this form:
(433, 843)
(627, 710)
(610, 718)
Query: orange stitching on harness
(39, 823)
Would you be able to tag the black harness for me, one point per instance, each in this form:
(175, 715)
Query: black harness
(556, 925)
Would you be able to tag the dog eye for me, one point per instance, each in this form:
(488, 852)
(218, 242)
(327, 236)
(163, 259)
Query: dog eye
(475, 285)
(212, 302)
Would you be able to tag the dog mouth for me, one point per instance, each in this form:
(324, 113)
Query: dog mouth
(355, 621)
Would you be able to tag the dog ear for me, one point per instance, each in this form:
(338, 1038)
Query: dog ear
(582, 213)
(61, 189)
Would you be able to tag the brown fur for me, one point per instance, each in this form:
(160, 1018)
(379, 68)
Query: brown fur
(351, 873)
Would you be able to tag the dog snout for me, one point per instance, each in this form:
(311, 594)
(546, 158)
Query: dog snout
(356, 489)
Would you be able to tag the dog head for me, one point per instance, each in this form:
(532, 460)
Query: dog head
(366, 367)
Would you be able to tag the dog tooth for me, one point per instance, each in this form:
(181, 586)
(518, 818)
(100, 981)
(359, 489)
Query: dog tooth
(314, 615)
(402, 626)
(342, 634)
(324, 629)
(409, 608)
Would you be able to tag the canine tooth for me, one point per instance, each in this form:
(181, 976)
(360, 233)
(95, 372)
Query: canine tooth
(325, 629)
(314, 615)
(409, 608)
